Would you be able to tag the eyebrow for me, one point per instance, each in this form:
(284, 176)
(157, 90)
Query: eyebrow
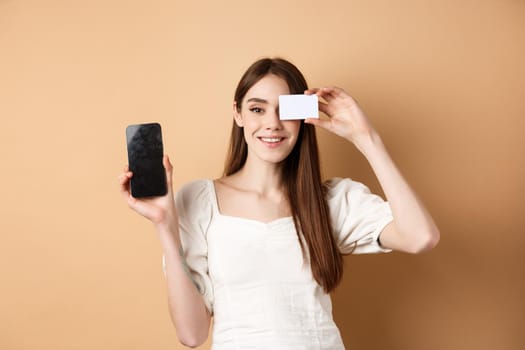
(256, 99)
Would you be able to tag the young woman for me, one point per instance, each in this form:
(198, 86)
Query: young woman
(260, 248)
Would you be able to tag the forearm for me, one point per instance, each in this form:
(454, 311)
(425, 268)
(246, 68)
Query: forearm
(186, 305)
(412, 220)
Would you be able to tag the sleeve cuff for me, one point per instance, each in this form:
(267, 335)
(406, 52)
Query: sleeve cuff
(370, 244)
(380, 226)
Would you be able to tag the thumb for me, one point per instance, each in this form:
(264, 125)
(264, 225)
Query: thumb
(325, 124)
(169, 169)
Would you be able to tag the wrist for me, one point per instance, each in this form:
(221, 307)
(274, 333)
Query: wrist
(369, 143)
(169, 227)
(166, 219)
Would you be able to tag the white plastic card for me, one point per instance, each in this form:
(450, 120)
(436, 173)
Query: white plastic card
(298, 107)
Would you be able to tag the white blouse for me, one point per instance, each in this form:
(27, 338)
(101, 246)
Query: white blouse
(252, 276)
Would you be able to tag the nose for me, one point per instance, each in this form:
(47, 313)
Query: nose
(272, 121)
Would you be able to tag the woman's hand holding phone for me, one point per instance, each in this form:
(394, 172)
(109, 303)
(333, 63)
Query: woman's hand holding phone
(159, 210)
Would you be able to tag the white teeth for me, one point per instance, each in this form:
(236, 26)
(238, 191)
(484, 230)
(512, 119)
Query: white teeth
(273, 139)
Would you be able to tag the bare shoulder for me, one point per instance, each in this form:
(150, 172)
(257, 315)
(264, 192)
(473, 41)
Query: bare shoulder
(226, 185)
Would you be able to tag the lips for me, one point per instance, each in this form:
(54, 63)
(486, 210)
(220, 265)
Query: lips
(271, 141)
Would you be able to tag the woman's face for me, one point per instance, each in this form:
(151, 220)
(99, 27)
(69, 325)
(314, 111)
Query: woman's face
(269, 138)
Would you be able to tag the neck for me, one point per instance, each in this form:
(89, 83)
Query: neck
(259, 176)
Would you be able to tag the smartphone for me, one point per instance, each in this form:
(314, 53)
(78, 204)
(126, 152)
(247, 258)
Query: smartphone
(145, 152)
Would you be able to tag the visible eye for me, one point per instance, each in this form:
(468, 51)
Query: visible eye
(256, 110)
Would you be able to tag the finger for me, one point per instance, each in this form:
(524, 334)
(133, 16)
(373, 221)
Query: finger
(124, 177)
(325, 124)
(169, 170)
(124, 183)
(329, 93)
(132, 201)
(316, 91)
(324, 93)
(325, 108)
(311, 91)
(332, 92)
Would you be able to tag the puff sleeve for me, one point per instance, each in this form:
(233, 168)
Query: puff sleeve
(194, 210)
(357, 215)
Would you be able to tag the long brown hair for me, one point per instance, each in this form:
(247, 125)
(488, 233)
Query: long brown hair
(301, 177)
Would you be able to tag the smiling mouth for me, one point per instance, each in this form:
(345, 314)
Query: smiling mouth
(271, 139)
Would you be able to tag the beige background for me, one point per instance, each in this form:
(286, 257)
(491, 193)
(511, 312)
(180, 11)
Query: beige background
(443, 82)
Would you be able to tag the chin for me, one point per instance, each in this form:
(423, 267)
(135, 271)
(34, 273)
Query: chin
(272, 158)
(275, 160)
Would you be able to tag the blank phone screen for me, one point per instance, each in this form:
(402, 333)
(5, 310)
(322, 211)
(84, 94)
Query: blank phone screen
(145, 152)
